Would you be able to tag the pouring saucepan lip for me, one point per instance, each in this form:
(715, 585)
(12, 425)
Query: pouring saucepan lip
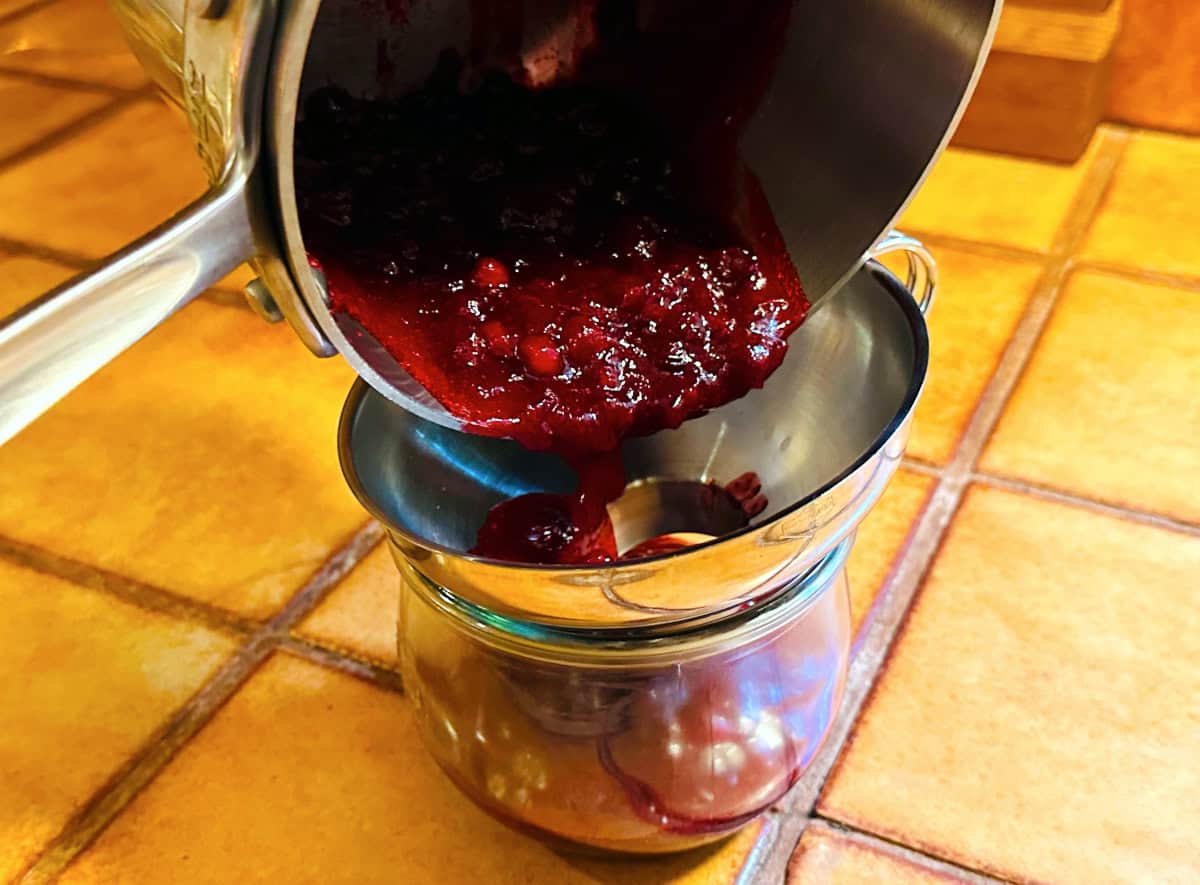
(861, 99)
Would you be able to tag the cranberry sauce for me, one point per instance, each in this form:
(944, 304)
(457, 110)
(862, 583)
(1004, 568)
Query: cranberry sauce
(559, 529)
(535, 259)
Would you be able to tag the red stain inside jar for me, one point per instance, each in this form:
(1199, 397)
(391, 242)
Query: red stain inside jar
(658, 545)
(535, 259)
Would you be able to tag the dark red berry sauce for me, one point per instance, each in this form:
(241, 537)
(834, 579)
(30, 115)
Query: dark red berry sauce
(536, 260)
(559, 529)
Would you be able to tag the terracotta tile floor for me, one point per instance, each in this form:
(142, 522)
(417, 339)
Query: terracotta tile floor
(356, 618)
(72, 40)
(43, 109)
(825, 856)
(25, 277)
(198, 635)
(1150, 218)
(87, 680)
(1127, 421)
(1039, 713)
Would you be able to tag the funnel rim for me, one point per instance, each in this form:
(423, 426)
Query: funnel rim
(889, 282)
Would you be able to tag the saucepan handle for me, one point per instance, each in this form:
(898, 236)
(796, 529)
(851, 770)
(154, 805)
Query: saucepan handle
(58, 341)
(922, 268)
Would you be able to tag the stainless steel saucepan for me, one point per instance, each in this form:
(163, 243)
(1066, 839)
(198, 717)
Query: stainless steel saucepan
(861, 98)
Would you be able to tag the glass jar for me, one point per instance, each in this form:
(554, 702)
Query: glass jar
(638, 739)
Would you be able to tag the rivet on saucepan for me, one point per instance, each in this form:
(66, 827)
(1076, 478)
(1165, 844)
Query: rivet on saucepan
(213, 8)
(262, 302)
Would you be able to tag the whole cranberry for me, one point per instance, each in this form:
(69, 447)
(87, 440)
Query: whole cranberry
(540, 356)
(500, 341)
(490, 272)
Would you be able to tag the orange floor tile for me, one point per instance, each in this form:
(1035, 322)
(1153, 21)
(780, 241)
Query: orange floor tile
(992, 199)
(1108, 408)
(86, 681)
(1038, 715)
(44, 111)
(71, 39)
(980, 300)
(359, 616)
(824, 857)
(91, 196)
(202, 461)
(25, 278)
(1150, 217)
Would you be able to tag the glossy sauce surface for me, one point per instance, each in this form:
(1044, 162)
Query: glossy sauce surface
(536, 260)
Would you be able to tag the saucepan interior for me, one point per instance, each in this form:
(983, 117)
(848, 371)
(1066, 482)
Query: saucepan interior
(843, 109)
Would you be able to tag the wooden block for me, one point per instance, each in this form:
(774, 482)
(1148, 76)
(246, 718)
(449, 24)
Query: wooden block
(1156, 66)
(1077, 5)
(1046, 84)
(1058, 33)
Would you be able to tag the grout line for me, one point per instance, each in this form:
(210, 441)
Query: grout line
(137, 593)
(975, 247)
(1142, 275)
(33, 6)
(902, 556)
(1058, 496)
(939, 866)
(747, 874)
(185, 608)
(362, 542)
(360, 667)
(894, 602)
(143, 766)
(128, 781)
(888, 613)
(66, 133)
(1184, 281)
(57, 82)
(916, 465)
(992, 250)
(1133, 126)
(20, 248)
(1041, 303)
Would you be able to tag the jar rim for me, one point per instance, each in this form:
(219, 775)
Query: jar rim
(623, 644)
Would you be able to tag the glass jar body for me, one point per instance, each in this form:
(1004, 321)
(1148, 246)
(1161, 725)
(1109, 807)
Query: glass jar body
(638, 744)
